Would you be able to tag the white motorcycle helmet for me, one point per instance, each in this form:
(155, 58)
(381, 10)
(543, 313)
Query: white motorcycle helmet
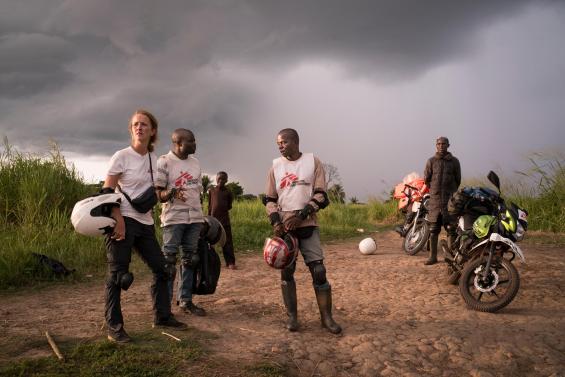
(213, 231)
(91, 216)
(368, 246)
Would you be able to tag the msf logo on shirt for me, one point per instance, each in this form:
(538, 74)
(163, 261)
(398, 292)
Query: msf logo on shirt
(185, 179)
(290, 180)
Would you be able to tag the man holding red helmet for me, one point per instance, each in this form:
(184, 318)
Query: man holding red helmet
(295, 191)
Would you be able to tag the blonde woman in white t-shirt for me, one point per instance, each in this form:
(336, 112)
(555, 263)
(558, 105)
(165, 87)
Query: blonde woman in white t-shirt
(131, 171)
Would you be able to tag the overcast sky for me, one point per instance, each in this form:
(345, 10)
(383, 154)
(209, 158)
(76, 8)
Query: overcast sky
(369, 85)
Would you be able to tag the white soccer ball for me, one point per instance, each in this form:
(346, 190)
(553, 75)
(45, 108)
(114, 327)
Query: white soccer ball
(368, 246)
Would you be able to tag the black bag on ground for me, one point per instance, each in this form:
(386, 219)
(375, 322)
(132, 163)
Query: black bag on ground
(52, 265)
(207, 273)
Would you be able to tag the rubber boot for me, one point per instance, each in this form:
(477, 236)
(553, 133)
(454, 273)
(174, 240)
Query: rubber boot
(288, 289)
(324, 298)
(433, 250)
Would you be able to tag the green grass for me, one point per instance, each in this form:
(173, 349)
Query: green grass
(37, 194)
(150, 354)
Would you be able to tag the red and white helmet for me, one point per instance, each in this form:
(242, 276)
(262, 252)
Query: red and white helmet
(92, 216)
(280, 253)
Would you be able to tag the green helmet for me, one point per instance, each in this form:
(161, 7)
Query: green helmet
(482, 225)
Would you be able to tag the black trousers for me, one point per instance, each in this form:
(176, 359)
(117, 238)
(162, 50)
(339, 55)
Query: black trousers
(227, 250)
(445, 220)
(142, 238)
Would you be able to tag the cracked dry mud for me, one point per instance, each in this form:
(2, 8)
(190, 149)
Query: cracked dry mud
(399, 317)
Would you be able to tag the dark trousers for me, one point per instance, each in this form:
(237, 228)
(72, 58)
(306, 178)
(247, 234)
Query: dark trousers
(227, 250)
(142, 238)
(443, 219)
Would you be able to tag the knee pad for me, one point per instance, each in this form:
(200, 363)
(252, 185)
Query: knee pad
(318, 272)
(287, 274)
(122, 279)
(170, 265)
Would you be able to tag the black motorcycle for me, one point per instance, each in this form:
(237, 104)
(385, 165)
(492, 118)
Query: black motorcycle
(480, 259)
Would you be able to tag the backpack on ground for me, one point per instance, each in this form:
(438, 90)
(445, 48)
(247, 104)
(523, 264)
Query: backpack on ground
(207, 273)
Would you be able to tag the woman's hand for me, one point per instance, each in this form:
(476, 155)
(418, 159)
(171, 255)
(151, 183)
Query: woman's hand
(119, 233)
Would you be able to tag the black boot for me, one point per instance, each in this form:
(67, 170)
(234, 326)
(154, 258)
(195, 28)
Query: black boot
(433, 250)
(288, 289)
(324, 298)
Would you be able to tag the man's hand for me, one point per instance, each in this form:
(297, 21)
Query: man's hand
(278, 229)
(178, 193)
(292, 223)
(173, 193)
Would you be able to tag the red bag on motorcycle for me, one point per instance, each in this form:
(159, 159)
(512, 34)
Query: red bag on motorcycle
(406, 194)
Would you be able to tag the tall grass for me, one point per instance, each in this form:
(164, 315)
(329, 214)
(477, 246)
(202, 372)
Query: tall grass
(250, 225)
(37, 194)
(545, 198)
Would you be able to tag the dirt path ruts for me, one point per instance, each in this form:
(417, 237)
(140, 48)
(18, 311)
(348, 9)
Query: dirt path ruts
(399, 317)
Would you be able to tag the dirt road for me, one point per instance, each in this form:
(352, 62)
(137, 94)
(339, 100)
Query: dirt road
(399, 317)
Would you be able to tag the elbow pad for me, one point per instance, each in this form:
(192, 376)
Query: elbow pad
(105, 190)
(324, 203)
(267, 199)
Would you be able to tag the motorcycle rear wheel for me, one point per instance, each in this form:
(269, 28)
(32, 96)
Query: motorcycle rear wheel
(498, 291)
(416, 239)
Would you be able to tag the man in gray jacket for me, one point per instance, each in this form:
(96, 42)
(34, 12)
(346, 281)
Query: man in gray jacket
(443, 176)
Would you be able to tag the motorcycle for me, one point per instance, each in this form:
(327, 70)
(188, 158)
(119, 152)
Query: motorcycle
(480, 258)
(413, 195)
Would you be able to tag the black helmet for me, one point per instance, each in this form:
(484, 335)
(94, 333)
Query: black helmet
(213, 231)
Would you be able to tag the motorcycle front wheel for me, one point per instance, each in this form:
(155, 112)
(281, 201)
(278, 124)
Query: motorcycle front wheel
(492, 293)
(416, 238)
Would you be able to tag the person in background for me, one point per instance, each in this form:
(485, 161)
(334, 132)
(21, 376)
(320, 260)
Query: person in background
(220, 201)
(443, 176)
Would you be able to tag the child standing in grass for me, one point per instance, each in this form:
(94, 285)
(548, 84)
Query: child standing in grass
(220, 201)
(179, 184)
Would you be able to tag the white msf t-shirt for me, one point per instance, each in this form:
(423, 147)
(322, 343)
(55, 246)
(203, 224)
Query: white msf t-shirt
(135, 179)
(294, 181)
(174, 172)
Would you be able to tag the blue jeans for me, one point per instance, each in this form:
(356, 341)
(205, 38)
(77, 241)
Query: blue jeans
(183, 237)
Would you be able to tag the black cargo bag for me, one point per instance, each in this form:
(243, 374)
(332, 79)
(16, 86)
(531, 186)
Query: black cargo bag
(207, 273)
(458, 202)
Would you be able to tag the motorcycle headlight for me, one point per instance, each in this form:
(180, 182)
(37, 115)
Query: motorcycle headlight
(520, 231)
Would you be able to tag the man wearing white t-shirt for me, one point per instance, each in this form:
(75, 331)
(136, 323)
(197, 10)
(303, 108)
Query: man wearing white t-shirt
(296, 190)
(179, 185)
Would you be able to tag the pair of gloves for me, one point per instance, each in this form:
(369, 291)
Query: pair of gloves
(291, 223)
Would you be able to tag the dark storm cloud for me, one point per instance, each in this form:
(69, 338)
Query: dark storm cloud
(32, 63)
(74, 71)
